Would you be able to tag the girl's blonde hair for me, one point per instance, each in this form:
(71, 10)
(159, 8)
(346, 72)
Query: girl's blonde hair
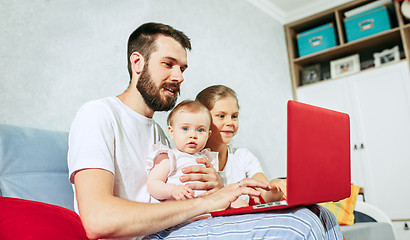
(211, 94)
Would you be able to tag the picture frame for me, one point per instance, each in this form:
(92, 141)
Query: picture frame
(311, 74)
(345, 66)
(387, 56)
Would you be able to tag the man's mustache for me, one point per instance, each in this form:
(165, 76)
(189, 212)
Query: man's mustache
(172, 85)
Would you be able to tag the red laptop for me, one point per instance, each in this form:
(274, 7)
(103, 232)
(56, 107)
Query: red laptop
(318, 159)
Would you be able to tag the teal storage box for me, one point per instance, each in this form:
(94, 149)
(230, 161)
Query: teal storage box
(316, 39)
(367, 23)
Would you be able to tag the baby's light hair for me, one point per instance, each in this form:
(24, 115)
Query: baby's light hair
(192, 106)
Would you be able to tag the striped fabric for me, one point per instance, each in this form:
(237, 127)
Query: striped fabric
(314, 222)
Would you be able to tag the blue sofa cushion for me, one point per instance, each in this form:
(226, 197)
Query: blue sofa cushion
(33, 165)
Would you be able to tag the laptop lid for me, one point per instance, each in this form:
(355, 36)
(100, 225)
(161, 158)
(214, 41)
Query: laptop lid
(318, 159)
(318, 154)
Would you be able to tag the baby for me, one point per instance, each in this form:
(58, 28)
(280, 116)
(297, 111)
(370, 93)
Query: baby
(189, 126)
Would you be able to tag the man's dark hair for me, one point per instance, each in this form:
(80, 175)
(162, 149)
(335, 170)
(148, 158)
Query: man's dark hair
(142, 40)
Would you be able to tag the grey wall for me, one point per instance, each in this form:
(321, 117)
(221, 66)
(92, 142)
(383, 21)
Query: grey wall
(56, 55)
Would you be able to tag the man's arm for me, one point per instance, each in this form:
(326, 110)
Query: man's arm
(106, 216)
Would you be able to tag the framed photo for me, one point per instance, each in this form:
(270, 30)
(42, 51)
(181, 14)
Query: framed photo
(387, 56)
(311, 74)
(345, 66)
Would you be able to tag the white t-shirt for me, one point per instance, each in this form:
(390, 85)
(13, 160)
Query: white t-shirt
(241, 163)
(107, 134)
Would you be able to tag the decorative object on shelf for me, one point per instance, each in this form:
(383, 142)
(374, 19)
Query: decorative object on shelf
(367, 23)
(325, 73)
(311, 74)
(316, 39)
(345, 66)
(386, 56)
(366, 7)
(366, 64)
(405, 9)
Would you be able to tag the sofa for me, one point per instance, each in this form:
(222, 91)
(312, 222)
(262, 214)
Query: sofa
(36, 198)
(370, 223)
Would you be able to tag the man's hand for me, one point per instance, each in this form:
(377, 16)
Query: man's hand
(239, 203)
(223, 198)
(207, 177)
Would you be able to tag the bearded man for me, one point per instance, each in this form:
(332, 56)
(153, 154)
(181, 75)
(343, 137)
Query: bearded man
(110, 138)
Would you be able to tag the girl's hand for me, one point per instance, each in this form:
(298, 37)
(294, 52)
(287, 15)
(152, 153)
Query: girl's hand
(207, 177)
(277, 186)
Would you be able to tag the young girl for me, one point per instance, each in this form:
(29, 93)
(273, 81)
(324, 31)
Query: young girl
(189, 125)
(234, 164)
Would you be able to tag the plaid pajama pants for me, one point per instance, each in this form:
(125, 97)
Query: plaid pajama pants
(312, 222)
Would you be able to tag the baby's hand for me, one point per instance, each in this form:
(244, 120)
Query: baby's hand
(182, 192)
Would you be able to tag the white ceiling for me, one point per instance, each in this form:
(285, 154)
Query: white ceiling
(286, 11)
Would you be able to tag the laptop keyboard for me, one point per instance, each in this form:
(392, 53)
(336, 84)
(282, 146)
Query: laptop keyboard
(271, 204)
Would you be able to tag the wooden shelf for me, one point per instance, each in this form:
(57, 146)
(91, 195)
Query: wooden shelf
(407, 26)
(398, 35)
(389, 37)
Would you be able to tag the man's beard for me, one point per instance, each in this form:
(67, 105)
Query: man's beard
(151, 93)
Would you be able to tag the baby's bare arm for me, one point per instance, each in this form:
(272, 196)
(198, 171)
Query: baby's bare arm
(157, 178)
